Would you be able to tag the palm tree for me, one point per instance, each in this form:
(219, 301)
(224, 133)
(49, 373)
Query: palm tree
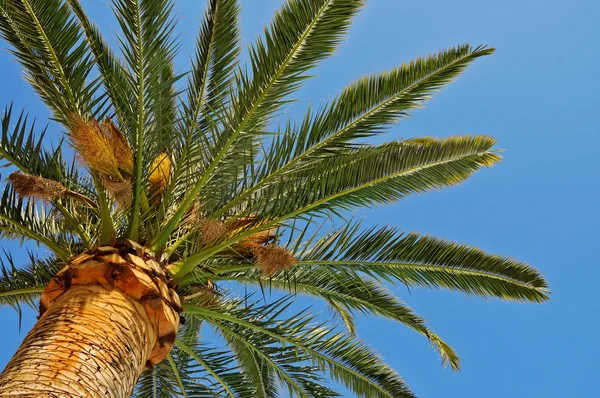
(183, 188)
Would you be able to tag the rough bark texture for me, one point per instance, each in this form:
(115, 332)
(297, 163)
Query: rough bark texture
(105, 316)
(93, 341)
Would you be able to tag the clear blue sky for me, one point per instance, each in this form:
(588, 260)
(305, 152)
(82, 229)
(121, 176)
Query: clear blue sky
(539, 96)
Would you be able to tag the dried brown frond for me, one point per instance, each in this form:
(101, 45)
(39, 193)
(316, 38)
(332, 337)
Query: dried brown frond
(209, 298)
(93, 146)
(160, 176)
(27, 185)
(273, 258)
(120, 145)
(119, 189)
(212, 231)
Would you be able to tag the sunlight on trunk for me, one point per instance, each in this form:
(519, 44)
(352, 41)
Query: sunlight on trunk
(93, 342)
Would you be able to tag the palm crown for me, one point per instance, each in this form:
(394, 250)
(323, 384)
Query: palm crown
(192, 167)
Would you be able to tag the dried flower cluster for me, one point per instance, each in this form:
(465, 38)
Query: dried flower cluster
(105, 150)
(273, 258)
(102, 147)
(248, 245)
(30, 186)
(212, 231)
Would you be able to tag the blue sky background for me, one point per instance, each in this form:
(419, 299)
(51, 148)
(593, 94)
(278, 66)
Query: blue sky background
(538, 95)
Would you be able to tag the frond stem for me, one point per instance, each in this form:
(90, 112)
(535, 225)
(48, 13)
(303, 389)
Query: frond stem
(161, 239)
(188, 265)
(182, 346)
(135, 210)
(28, 233)
(75, 223)
(177, 375)
(22, 291)
(224, 317)
(338, 133)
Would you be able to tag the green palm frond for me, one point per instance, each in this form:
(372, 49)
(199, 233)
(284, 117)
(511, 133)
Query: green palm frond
(217, 52)
(148, 48)
(372, 103)
(375, 174)
(23, 285)
(24, 220)
(189, 332)
(380, 175)
(208, 89)
(271, 368)
(218, 366)
(23, 149)
(258, 368)
(163, 382)
(201, 369)
(267, 368)
(301, 34)
(348, 293)
(415, 260)
(178, 377)
(157, 382)
(363, 109)
(45, 38)
(346, 359)
(112, 72)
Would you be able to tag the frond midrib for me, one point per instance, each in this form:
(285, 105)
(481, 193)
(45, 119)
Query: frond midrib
(17, 292)
(205, 365)
(191, 261)
(61, 252)
(199, 100)
(53, 55)
(453, 269)
(331, 137)
(342, 297)
(283, 339)
(163, 235)
(137, 190)
(407, 265)
(267, 358)
(177, 375)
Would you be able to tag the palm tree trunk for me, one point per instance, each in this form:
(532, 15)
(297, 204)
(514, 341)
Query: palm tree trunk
(93, 342)
(105, 316)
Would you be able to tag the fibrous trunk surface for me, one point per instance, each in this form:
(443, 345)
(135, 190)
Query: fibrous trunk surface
(104, 317)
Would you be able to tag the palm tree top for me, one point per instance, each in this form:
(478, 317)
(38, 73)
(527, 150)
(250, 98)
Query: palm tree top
(194, 168)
